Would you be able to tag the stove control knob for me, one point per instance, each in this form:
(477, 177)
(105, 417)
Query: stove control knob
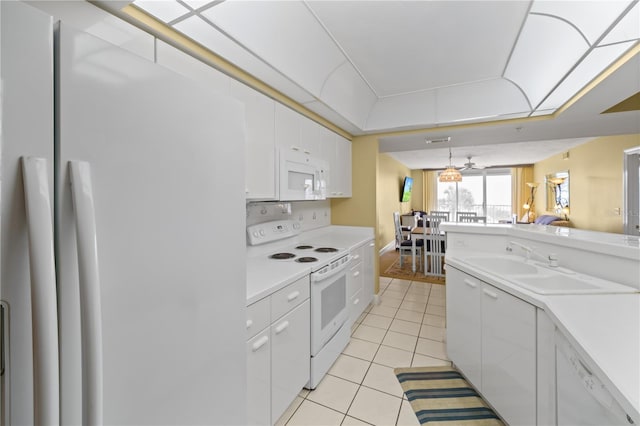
(255, 234)
(262, 233)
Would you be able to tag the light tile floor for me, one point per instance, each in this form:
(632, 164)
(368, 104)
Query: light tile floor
(406, 329)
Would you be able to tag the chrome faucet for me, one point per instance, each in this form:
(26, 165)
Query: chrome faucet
(552, 258)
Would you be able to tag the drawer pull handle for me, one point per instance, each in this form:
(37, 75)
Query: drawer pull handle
(260, 343)
(490, 294)
(357, 256)
(295, 148)
(356, 273)
(470, 283)
(282, 327)
(355, 302)
(371, 244)
(249, 324)
(293, 296)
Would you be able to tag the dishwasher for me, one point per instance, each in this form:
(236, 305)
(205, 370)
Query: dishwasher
(582, 398)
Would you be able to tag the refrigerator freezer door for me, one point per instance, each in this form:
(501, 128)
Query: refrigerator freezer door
(167, 171)
(26, 129)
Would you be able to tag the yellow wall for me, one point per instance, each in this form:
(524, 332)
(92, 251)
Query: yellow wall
(361, 208)
(391, 174)
(595, 182)
(417, 197)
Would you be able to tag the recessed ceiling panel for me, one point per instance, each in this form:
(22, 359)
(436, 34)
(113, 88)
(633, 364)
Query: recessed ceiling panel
(588, 69)
(203, 33)
(166, 11)
(546, 51)
(406, 46)
(349, 95)
(481, 100)
(403, 111)
(592, 18)
(284, 34)
(627, 29)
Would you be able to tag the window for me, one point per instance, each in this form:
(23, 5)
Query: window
(485, 192)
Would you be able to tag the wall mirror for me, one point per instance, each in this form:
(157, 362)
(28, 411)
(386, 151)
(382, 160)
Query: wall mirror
(558, 192)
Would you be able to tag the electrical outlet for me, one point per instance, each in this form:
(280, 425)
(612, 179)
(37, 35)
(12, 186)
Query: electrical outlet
(314, 215)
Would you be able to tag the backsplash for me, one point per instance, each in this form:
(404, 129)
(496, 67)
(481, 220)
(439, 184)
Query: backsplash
(310, 214)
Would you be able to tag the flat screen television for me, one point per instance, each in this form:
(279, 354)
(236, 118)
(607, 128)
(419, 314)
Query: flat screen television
(406, 189)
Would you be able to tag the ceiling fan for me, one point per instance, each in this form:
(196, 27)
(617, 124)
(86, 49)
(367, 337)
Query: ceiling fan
(469, 165)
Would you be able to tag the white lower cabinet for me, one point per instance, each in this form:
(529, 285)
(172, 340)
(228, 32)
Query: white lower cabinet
(290, 358)
(259, 378)
(509, 355)
(278, 351)
(491, 338)
(463, 323)
(360, 280)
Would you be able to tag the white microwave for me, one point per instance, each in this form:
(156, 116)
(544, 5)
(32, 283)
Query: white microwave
(302, 177)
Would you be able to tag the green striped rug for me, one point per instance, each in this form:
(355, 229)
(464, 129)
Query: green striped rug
(441, 396)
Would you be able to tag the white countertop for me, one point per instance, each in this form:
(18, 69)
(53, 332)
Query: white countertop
(603, 328)
(263, 278)
(607, 328)
(621, 245)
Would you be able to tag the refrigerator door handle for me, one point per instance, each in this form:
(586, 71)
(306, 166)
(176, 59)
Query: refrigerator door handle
(90, 305)
(44, 305)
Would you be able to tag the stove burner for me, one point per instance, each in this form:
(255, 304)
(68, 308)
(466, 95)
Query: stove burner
(304, 247)
(306, 259)
(281, 256)
(326, 250)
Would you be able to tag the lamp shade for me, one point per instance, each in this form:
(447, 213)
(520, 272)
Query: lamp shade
(450, 175)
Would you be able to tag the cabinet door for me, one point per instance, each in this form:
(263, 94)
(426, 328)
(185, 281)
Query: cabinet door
(259, 379)
(290, 358)
(343, 164)
(260, 156)
(310, 137)
(287, 128)
(354, 290)
(508, 355)
(368, 267)
(463, 324)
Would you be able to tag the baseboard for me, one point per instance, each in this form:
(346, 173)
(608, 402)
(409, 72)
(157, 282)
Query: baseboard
(389, 247)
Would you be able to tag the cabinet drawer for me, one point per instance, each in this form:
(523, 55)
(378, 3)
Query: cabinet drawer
(357, 254)
(258, 317)
(356, 306)
(354, 280)
(289, 297)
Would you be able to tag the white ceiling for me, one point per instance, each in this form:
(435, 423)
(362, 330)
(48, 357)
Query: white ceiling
(383, 66)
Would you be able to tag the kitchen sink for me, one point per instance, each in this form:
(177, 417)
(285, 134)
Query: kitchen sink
(543, 279)
(562, 284)
(502, 265)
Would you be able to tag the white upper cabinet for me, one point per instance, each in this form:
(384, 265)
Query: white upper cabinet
(287, 128)
(260, 157)
(340, 161)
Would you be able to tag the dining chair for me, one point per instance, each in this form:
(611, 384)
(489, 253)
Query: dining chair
(472, 219)
(434, 246)
(405, 244)
(460, 216)
(440, 213)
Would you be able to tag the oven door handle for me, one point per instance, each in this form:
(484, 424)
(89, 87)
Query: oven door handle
(317, 276)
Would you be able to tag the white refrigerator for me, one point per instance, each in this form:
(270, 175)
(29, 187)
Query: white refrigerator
(122, 236)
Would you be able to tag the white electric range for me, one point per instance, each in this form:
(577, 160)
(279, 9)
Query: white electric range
(277, 255)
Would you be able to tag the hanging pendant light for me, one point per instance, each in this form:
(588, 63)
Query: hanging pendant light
(451, 174)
